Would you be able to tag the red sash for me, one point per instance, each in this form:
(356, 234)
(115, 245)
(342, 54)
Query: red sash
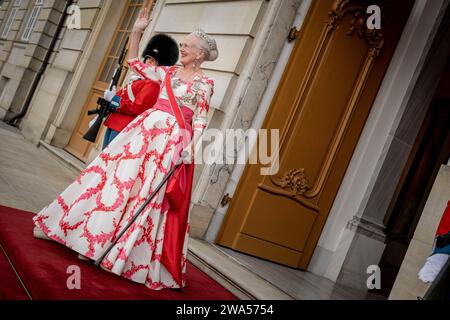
(178, 194)
(175, 182)
(173, 102)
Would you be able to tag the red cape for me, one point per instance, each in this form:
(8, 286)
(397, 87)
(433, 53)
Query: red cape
(444, 225)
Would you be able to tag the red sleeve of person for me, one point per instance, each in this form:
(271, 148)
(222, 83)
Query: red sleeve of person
(441, 250)
(142, 97)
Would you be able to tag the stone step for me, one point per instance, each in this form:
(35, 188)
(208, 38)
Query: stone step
(64, 157)
(223, 268)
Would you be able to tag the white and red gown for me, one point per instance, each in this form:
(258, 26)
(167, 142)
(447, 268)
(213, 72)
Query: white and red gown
(90, 212)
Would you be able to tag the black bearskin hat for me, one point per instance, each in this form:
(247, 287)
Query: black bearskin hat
(163, 49)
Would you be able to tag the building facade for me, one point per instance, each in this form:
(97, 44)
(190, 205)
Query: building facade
(28, 28)
(352, 106)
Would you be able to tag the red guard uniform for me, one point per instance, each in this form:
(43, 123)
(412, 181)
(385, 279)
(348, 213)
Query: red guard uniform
(136, 97)
(441, 250)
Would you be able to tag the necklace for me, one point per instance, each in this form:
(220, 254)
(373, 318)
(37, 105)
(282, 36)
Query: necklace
(191, 75)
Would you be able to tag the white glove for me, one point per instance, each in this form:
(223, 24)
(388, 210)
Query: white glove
(432, 267)
(109, 94)
(93, 121)
(134, 78)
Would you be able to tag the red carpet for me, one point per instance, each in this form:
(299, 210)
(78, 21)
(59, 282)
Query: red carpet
(42, 267)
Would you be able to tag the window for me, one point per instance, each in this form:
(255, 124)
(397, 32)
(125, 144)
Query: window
(32, 20)
(124, 29)
(9, 22)
(11, 18)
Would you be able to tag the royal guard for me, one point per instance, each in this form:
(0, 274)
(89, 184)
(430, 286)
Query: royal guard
(441, 250)
(139, 94)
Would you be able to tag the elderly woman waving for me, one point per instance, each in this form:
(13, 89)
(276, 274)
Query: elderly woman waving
(94, 209)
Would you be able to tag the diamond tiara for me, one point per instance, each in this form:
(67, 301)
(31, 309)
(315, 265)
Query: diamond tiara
(210, 41)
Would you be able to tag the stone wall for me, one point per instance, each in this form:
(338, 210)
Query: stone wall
(20, 59)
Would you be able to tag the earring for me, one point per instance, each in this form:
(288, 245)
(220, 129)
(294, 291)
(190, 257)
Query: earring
(194, 66)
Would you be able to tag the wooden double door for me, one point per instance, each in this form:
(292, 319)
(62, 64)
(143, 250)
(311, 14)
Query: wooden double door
(320, 108)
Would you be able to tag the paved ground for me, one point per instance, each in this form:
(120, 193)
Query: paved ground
(30, 177)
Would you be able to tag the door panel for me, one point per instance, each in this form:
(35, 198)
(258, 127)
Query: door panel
(320, 107)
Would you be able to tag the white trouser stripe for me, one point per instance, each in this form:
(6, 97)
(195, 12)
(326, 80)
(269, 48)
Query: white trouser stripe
(130, 93)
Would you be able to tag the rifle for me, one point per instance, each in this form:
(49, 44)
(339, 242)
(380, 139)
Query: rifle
(103, 105)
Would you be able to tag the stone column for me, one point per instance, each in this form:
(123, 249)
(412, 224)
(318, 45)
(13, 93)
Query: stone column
(368, 243)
